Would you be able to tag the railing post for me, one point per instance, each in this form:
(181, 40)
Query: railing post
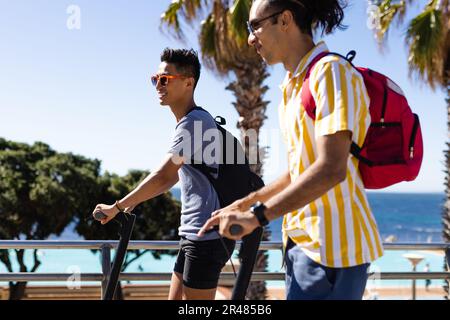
(106, 266)
(447, 259)
(414, 286)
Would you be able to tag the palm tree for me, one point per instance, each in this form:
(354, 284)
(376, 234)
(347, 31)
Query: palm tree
(222, 39)
(428, 39)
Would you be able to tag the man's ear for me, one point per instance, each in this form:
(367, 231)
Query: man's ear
(286, 19)
(191, 82)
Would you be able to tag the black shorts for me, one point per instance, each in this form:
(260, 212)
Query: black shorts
(200, 262)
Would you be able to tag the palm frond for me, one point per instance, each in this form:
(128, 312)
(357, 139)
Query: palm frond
(170, 16)
(389, 12)
(239, 13)
(218, 48)
(207, 41)
(186, 9)
(207, 38)
(425, 37)
(171, 19)
(191, 8)
(222, 35)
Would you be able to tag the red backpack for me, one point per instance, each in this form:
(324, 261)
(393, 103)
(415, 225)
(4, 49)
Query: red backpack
(392, 151)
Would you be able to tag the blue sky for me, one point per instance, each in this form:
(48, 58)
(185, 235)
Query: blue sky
(87, 90)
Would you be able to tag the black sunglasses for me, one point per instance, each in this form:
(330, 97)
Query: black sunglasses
(252, 26)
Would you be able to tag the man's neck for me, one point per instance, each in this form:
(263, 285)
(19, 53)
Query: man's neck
(181, 109)
(298, 49)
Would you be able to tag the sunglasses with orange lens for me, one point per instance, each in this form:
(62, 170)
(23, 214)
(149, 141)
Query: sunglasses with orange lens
(164, 78)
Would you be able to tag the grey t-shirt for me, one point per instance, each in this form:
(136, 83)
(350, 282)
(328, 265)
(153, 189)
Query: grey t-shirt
(195, 139)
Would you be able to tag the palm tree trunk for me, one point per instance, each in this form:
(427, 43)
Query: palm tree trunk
(249, 90)
(17, 290)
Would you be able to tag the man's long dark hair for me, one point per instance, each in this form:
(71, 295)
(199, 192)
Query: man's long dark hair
(312, 14)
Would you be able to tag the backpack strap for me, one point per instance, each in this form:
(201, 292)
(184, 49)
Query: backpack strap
(307, 98)
(310, 104)
(202, 167)
(355, 150)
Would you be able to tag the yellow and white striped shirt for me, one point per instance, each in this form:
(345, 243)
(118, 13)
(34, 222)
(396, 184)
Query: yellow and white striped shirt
(338, 229)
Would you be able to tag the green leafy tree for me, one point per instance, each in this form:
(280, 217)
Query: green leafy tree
(40, 193)
(222, 37)
(428, 41)
(156, 219)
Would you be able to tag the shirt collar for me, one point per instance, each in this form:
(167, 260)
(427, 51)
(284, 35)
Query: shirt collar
(304, 62)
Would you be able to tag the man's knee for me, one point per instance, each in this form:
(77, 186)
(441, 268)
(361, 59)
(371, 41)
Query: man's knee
(176, 286)
(198, 294)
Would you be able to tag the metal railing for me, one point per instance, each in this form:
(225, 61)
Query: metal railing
(105, 248)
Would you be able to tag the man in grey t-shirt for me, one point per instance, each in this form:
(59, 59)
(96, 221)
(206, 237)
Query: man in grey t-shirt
(196, 140)
(198, 197)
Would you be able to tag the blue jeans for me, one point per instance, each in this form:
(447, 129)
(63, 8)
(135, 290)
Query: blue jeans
(308, 280)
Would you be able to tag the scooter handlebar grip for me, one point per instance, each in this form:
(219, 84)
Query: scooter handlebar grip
(235, 229)
(99, 215)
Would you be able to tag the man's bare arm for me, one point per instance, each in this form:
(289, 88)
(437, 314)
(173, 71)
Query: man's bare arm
(156, 183)
(327, 171)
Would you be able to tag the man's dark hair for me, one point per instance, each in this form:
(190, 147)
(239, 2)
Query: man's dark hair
(186, 62)
(309, 14)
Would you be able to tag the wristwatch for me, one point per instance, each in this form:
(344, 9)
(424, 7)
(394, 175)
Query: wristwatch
(258, 210)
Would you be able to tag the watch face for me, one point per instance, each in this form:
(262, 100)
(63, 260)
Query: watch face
(257, 206)
(258, 210)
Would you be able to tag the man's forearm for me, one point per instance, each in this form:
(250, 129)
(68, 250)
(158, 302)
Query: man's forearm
(152, 186)
(312, 184)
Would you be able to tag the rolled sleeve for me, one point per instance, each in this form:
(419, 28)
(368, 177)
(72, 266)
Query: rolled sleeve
(334, 93)
(187, 139)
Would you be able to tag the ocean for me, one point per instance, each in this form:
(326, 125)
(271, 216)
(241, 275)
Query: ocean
(409, 217)
(400, 216)
(403, 217)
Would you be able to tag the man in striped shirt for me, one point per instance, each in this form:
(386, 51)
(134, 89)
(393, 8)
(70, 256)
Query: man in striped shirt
(330, 236)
